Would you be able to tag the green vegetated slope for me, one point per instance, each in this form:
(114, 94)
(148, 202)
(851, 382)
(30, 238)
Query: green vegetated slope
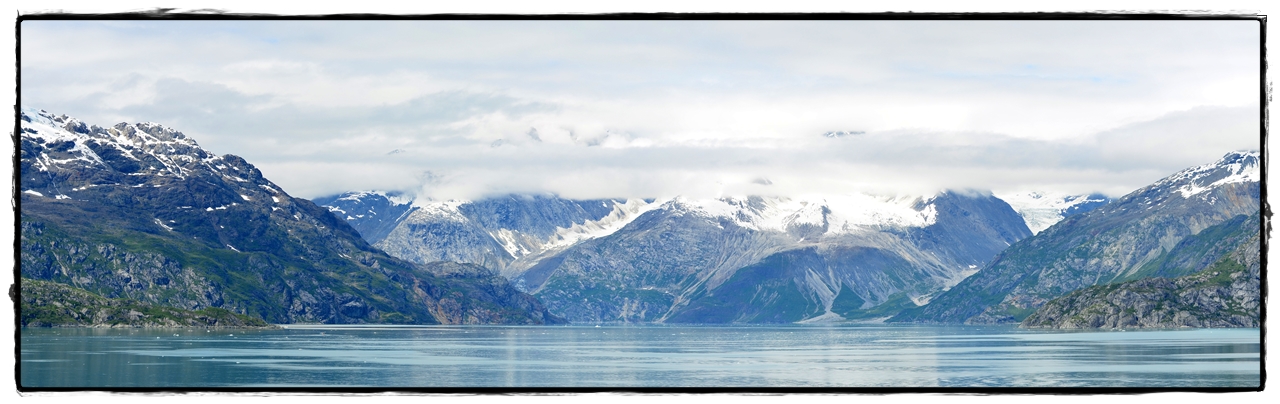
(1226, 294)
(51, 304)
(1176, 226)
(142, 212)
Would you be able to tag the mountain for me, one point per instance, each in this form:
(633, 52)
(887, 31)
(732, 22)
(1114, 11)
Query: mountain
(372, 214)
(1224, 295)
(142, 212)
(1176, 226)
(1042, 209)
(779, 260)
(508, 233)
(676, 260)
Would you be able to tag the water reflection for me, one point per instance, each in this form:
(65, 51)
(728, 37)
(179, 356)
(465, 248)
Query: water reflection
(663, 356)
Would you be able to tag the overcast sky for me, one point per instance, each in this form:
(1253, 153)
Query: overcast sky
(587, 109)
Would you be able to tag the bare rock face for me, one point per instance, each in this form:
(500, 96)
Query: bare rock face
(1225, 295)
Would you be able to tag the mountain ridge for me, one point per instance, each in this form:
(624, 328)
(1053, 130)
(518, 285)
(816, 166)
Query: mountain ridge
(141, 211)
(712, 238)
(1101, 246)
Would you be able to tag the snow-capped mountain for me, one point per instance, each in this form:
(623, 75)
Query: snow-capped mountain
(1239, 167)
(1173, 227)
(511, 233)
(505, 233)
(663, 254)
(141, 211)
(64, 158)
(1042, 209)
(371, 213)
(761, 260)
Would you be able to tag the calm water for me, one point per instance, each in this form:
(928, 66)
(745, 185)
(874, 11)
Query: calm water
(637, 356)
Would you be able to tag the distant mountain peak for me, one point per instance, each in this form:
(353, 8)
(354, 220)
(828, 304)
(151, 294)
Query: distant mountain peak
(1234, 167)
(138, 149)
(392, 197)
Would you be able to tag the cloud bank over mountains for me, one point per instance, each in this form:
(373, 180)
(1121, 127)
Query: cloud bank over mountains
(590, 109)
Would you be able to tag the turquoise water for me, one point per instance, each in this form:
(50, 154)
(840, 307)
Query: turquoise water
(638, 356)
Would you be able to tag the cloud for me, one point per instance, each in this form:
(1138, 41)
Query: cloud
(658, 108)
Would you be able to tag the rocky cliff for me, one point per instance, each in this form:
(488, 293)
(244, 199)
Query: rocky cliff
(1226, 294)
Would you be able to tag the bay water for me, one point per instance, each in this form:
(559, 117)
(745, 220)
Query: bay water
(859, 355)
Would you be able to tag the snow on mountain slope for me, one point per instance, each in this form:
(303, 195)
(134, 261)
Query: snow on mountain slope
(621, 215)
(643, 260)
(806, 217)
(1235, 167)
(372, 213)
(1043, 209)
(758, 259)
(150, 149)
(65, 150)
(836, 214)
(441, 210)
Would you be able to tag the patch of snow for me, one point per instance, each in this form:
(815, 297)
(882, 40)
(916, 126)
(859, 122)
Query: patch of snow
(131, 140)
(223, 207)
(1041, 209)
(394, 198)
(847, 213)
(811, 214)
(33, 193)
(1241, 166)
(163, 225)
(507, 239)
(622, 214)
(858, 212)
(447, 210)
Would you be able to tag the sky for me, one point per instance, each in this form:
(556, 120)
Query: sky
(618, 109)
